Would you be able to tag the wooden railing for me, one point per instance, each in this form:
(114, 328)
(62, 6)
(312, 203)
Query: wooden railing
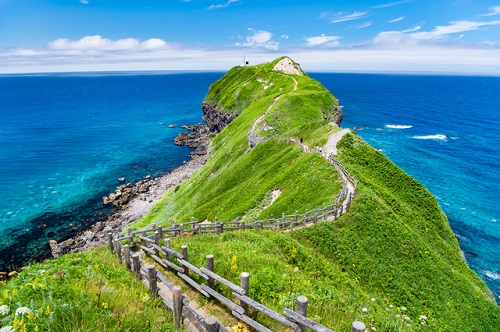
(155, 243)
(159, 250)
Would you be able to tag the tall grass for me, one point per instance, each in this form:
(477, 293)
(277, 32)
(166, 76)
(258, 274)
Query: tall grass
(89, 291)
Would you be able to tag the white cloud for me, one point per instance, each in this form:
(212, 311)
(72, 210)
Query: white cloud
(395, 51)
(222, 5)
(397, 19)
(361, 26)
(260, 38)
(453, 27)
(94, 43)
(285, 36)
(323, 40)
(495, 10)
(416, 28)
(342, 16)
(85, 2)
(390, 4)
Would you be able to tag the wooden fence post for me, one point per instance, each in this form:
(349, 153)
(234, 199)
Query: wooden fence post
(136, 265)
(160, 232)
(117, 250)
(358, 327)
(153, 285)
(156, 236)
(210, 266)
(110, 240)
(184, 251)
(245, 284)
(144, 234)
(167, 245)
(181, 229)
(212, 324)
(302, 309)
(126, 256)
(177, 307)
(129, 231)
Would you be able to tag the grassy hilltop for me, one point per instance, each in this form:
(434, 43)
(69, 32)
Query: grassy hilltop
(393, 250)
(392, 261)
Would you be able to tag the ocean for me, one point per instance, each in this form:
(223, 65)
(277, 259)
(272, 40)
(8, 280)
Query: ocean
(67, 138)
(445, 132)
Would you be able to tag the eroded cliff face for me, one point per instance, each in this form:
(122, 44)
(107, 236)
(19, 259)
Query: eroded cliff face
(216, 119)
(337, 114)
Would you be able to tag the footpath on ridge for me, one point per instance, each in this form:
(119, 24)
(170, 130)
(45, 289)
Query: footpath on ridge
(148, 241)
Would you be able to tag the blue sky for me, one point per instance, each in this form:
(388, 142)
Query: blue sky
(441, 36)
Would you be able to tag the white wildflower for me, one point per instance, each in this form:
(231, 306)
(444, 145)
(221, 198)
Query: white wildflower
(373, 328)
(22, 311)
(391, 306)
(422, 317)
(407, 318)
(7, 328)
(364, 309)
(145, 298)
(4, 310)
(373, 300)
(403, 308)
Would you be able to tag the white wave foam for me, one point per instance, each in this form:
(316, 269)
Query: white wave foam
(435, 137)
(491, 275)
(398, 126)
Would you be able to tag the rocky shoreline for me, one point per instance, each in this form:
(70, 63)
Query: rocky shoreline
(134, 200)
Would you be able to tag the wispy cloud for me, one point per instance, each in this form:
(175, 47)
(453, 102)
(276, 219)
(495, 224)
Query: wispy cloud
(260, 38)
(323, 40)
(451, 28)
(360, 26)
(495, 10)
(416, 28)
(390, 4)
(222, 5)
(397, 19)
(85, 2)
(342, 16)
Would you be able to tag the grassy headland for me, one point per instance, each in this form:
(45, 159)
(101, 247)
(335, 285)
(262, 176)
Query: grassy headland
(391, 262)
(393, 254)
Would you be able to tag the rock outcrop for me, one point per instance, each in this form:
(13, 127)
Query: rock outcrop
(216, 119)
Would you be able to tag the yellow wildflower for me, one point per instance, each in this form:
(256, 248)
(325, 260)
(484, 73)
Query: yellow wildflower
(47, 310)
(31, 315)
(104, 305)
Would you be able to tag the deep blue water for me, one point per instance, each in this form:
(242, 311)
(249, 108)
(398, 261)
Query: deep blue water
(452, 146)
(66, 139)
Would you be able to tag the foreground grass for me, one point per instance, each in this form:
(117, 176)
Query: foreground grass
(282, 268)
(90, 291)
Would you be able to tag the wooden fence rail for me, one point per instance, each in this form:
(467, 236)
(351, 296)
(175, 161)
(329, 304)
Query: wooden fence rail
(179, 263)
(171, 295)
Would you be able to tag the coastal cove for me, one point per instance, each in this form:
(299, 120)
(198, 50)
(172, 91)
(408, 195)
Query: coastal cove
(394, 117)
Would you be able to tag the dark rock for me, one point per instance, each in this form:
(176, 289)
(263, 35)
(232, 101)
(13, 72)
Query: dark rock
(216, 119)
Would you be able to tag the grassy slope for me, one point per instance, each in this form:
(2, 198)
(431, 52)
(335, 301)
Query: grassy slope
(236, 183)
(70, 302)
(393, 249)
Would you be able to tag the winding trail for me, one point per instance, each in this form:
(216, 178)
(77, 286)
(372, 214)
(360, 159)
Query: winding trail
(327, 151)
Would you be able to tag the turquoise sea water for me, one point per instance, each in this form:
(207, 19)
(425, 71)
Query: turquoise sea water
(445, 132)
(66, 139)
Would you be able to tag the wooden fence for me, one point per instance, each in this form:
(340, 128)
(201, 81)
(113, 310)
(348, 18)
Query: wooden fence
(149, 242)
(172, 297)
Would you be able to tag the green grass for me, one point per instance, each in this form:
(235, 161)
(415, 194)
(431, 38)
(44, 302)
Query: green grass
(89, 291)
(395, 245)
(281, 268)
(235, 182)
